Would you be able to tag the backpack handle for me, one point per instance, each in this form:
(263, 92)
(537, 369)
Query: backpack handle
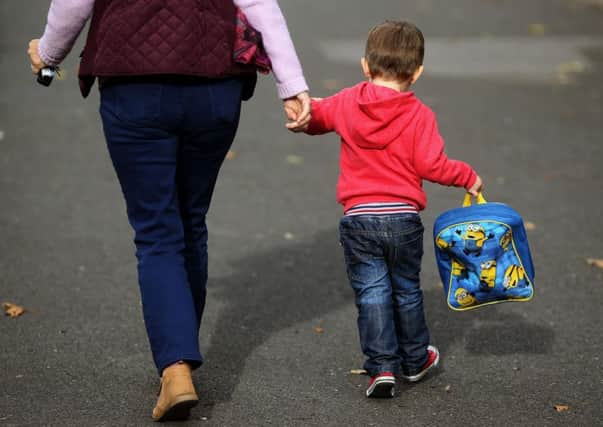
(480, 199)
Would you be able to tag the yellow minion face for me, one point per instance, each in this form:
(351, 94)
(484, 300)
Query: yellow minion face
(505, 240)
(474, 238)
(475, 232)
(513, 275)
(464, 298)
(488, 273)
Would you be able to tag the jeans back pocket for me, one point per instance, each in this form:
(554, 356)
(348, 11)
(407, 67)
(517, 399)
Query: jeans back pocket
(137, 104)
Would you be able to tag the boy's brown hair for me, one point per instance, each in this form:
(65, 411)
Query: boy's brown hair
(394, 50)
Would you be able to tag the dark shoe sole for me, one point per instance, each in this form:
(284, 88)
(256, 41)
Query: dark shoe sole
(179, 412)
(384, 389)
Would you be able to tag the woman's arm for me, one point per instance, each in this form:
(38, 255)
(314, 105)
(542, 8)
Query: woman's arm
(66, 19)
(266, 17)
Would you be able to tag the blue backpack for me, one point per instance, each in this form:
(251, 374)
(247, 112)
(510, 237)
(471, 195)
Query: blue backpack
(483, 255)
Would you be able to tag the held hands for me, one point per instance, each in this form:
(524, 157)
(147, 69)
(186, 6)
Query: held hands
(297, 109)
(477, 187)
(36, 62)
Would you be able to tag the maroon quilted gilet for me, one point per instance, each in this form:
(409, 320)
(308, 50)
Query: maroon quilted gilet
(151, 37)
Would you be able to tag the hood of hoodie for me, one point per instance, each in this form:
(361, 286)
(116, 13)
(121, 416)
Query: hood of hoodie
(384, 114)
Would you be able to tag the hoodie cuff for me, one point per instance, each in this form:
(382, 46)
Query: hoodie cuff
(292, 87)
(471, 180)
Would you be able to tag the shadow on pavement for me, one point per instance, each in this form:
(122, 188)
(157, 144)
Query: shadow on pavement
(274, 290)
(491, 330)
(268, 292)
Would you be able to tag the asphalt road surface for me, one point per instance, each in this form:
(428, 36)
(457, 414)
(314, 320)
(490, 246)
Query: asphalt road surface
(517, 89)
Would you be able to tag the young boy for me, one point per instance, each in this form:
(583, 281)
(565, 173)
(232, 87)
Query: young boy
(389, 144)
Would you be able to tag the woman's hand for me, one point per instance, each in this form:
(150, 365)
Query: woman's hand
(36, 62)
(297, 109)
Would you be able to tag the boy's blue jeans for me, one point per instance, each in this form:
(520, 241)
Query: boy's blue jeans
(167, 140)
(383, 259)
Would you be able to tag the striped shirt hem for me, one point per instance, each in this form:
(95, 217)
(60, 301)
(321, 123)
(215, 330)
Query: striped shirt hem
(379, 208)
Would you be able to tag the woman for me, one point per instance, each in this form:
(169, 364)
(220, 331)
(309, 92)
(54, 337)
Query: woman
(170, 101)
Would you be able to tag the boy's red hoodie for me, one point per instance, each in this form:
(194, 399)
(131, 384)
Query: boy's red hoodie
(389, 144)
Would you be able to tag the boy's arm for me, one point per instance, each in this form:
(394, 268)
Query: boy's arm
(324, 113)
(432, 163)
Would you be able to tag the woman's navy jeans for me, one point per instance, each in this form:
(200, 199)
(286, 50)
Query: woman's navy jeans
(167, 140)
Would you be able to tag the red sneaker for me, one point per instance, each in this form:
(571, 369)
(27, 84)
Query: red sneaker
(381, 385)
(433, 358)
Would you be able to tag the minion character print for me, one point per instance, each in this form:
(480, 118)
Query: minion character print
(459, 270)
(474, 238)
(514, 276)
(487, 276)
(464, 298)
(505, 240)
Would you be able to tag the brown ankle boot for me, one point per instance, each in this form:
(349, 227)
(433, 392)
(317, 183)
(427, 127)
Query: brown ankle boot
(177, 394)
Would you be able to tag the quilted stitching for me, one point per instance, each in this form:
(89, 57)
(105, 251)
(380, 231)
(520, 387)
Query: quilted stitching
(137, 37)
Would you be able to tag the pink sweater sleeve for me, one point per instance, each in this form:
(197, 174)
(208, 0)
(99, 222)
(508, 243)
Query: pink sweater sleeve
(266, 17)
(66, 19)
(432, 163)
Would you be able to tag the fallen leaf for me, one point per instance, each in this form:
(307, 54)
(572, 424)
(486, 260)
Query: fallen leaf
(561, 408)
(598, 4)
(13, 310)
(530, 226)
(319, 330)
(537, 29)
(571, 67)
(231, 155)
(595, 262)
(358, 372)
(294, 160)
(566, 71)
